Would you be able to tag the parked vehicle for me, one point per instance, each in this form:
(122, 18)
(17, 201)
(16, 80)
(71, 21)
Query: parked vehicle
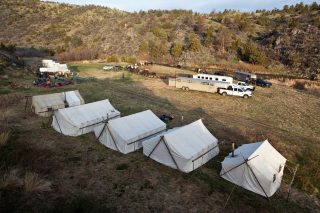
(245, 86)
(107, 67)
(245, 76)
(218, 78)
(235, 91)
(263, 83)
(197, 84)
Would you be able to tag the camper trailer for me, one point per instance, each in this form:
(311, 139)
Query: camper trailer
(198, 84)
(245, 76)
(217, 78)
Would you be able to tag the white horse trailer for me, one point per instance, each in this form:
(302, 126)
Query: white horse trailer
(216, 78)
(197, 84)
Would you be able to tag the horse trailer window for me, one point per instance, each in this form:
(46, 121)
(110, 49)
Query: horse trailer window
(216, 79)
(224, 80)
(198, 76)
(202, 77)
(206, 77)
(210, 78)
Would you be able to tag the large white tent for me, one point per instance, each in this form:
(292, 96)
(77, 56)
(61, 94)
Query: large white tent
(126, 134)
(45, 105)
(185, 148)
(53, 67)
(82, 119)
(257, 167)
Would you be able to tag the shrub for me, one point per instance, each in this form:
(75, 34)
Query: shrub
(78, 54)
(176, 50)
(130, 60)
(143, 47)
(122, 166)
(157, 51)
(293, 24)
(10, 179)
(9, 48)
(193, 43)
(4, 137)
(112, 58)
(299, 85)
(33, 183)
(250, 53)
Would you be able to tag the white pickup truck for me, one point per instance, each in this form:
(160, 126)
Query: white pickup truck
(245, 86)
(235, 91)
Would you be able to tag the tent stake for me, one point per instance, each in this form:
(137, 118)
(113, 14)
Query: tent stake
(291, 182)
(232, 149)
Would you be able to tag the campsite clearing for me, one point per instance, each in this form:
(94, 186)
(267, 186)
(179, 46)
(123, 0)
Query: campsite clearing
(87, 175)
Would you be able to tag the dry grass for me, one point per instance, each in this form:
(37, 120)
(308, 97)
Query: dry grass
(10, 179)
(289, 119)
(168, 70)
(4, 137)
(300, 84)
(33, 183)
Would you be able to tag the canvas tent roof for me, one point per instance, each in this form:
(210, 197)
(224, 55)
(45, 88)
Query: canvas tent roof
(257, 167)
(127, 133)
(82, 119)
(185, 148)
(43, 105)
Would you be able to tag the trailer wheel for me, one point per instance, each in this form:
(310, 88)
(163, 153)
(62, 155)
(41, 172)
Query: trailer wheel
(183, 88)
(187, 88)
(224, 94)
(245, 96)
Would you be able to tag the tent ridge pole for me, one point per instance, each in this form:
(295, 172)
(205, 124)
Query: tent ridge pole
(149, 136)
(238, 165)
(206, 152)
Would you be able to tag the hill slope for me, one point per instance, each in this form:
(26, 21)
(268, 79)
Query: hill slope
(280, 39)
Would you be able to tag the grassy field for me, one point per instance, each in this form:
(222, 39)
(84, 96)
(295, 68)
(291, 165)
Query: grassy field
(80, 174)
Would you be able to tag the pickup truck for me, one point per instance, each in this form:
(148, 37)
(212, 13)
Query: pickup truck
(235, 91)
(245, 86)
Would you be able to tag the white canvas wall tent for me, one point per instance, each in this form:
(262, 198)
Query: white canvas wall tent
(45, 105)
(53, 67)
(257, 167)
(126, 134)
(83, 119)
(185, 148)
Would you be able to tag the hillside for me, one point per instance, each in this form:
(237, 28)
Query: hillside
(279, 40)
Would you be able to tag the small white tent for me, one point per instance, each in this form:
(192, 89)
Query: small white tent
(126, 134)
(257, 167)
(45, 105)
(185, 148)
(82, 119)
